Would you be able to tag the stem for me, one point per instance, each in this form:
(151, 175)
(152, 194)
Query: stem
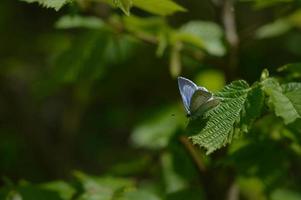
(226, 13)
(230, 24)
(233, 192)
(193, 153)
(228, 18)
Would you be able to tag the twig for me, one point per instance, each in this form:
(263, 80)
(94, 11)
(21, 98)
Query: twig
(229, 23)
(193, 153)
(226, 12)
(228, 18)
(233, 192)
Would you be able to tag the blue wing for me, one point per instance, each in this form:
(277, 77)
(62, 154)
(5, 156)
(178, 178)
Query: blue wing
(187, 89)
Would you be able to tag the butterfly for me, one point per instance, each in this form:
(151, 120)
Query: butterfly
(197, 100)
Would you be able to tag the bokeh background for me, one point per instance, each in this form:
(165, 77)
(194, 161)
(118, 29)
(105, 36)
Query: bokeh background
(82, 96)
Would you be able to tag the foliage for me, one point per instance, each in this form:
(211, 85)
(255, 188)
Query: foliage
(88, 87)
(56, 4)
(240, 105)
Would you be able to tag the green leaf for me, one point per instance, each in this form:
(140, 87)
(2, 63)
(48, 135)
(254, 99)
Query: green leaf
(13, 195)
(159, 7)
(293, 68)
(173, 181)
(280, 26)
(139, 195)
(192, 193)
(273, 29)
(219, 122)
(205, 35)
(64, 190)
(156, 132)
(87, 59)
(293, 92)
(286, 194)
(102, 188)
(285, 100)
(67, 22)
(149, 27)
(175, 64)
(251, 188)
(253, 107)
(124, 5)
(35, 192)
(56, 4)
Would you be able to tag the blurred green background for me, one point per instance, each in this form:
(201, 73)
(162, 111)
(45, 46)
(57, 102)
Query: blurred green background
(90, 89)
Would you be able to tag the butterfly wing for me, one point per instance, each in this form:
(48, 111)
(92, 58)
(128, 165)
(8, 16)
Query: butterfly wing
(205, 107)
(200, 97)
(187, 89)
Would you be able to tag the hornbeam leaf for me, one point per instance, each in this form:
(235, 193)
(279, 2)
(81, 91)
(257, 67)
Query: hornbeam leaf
(55, 4)
(253, 107)
(217, 126)
(285, 99)
(159, 7)
(124, 5)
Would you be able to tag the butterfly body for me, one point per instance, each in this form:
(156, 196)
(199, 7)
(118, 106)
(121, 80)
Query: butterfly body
(196, 99)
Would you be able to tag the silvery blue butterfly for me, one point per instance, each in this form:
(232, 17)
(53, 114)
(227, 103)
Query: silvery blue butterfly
(197, 100)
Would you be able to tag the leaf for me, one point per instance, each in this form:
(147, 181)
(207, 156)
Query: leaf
(286, 194)
(124, 5)
(293, 68)
(293, 92)
(175, 64)
(35, 192)
(102, 188)
(173, 181)
(67, 22)
(253, 107)
(64, 190)
(148, 27)
(285, 100)
(55, 4)
(294, 18)
(13, 195)
(159, 7)
(192, 193)
(139, 195)
(273, 29)
(162, 43)
(219, 122)
(87, 59)
(156, 133)
(280, 26)
(251, 188)
(205, 35)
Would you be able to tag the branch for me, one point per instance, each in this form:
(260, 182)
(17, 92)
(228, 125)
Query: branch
(233, 192)
(228, 18)
(228, 14)
(193, 153)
